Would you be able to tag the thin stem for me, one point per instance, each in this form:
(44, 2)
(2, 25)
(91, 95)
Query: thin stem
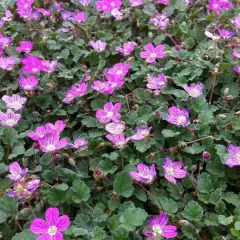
(154, 193)
(88, 206)
(122, 160)
(193, 183)
(200, 139)
(31, 209)
(19, 226)
(127, 103)
(213, 85)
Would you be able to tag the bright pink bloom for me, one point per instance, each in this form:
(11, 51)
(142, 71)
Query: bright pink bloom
(77, 90)
(25, 4)
(108, 5)
(119, 70)
(237, 70)
(4, 41)
(118, 140)
(115, 127)
(9, 119)
(44, 12)
(48, 66)
(53, 226)
(114, 81)
(99, 46)
(236, 21)
(127, 48)
(218, 5)
(7, 63)
(32, 64)
(79, 143)
(16, 172)
(173, 170)
(102, 87)
(135, 3)
(159, 227)
(178, 117)
(109, 112)
(234, 158)
(52, 143)
(156, 82)
(144, 173)
(15, 102)
(152, 54)
(79, 17)
(141, 133)
(29, 83)
(194, 89)
(25, 46)
(39, 133)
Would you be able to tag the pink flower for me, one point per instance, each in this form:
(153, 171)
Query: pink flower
(226, 34)
(25, 46)
(25, 4)
(15, 102)
(212, 36)
(53, 226)
(48, 66)
(159, 227)
(218, 5)
(178, 117)
(39, 133)
(151, 53)
(119, 70)
(109, 112)
(29, 83)
(99, 46)
(57, 127)
(173, 170)
(234, 156)
(8, 16)
(156, 82)
(135, 3)
(7, 63)
(114, 81)
(141, 133)
(127, 48)
(32, 64)
(237, 70)
(52, 143)
(4, 41)
(9, 119)
(236, 21)
(108, 5)
(77, 90)
(118, 14)
(84, 2)
(236, 53)
(194, 90)
(102, 87)
(115, 127)
(44, 12)
(118, 140)
(16, 172)
(161, 21)
(165, 2)
(79, 143)
(79, 17)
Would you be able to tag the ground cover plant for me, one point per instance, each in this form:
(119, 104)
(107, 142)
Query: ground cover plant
(119, 119)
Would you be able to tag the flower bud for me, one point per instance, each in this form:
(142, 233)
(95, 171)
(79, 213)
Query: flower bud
(196, 121)
(36, 145)
(178, 48)
(222, 116)
(84, 68)
(183, 222)
(173, 150)
(72, 162)
(98, 172)
(182, 144)
(206, 155)
(226, 90)
(157, 113)
(237, 113)
(195, 20)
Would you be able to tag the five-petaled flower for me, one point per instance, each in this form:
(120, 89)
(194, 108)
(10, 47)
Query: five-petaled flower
(234, 158)
(178, 116)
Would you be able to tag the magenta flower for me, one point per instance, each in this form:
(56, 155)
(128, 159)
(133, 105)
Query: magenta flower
(113, 81)
(29, 83)
(32, 64)
(226, 34)
(79, 143)
(52, 143)
(57, 127)
(79, 17)
(152, 54)
(156, 82)
(24, 189)
(141, 133)
(44, 12)
(127, 48)
(4, 41)
(8, 16)
(118, 140)
(25, 4)
(48, 66)
(67, 15)
(115, 127)
(77, 90)
(7, 63)
(25, 46)
(102, 87)
(108, 5)
(135, 3)
(178, 117)
(109, 112)
(9, 119)
(99, 46)
(161, 21)
(194, 90)
(58, 6)
(144, 173)
(237, 70)
(236, 21)
(234, 158)
(52, 228)
(16, 172)
(159, 227)
(15, 102)
(119, 70)
(215, 6)
(173, 170)
(39, 133)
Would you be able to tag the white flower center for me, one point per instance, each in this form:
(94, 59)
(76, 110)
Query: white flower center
(112, 4)
(16, 104)
(145, 133)
(157, 229)
(195, 92)
(104, 7)
(153, 55)
(181, 119)
(215, 5)
(169, 170)
(119, 128)
(52, 230)
(25, 5)
(28, 87)
(10, 122)
(51, 147)
(35, 69)
(119, 72)
(110, 114)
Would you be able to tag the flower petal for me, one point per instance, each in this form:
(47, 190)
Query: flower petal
(63, 223)
(169, 231)
(39, 226)
(52, 215)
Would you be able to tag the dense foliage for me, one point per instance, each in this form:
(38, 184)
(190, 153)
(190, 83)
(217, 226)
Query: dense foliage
(119, 119)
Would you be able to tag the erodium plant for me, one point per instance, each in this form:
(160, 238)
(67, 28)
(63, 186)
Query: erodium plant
(119, 120)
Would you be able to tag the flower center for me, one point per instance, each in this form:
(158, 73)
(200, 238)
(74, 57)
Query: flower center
(112, 4)
(35, 69)
(169, 170)
(28, 87)
(215, 5)
(110, 114)
(157, 229)
(119, 128)
(52, 230)
(25, 5)
(20, 188)
(195, 92)
(10, 122)
(51, 147)
(16, 104)
(181, 119)
(145, 133)
(119, 72)
(153, 55)
(104, 7)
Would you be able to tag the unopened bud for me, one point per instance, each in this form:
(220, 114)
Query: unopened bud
(211, 48)
(216, 70)
(183, 222)
(36, 145)
(237, 113)
(157, 113)
(206, 155)
(102, 76)
(226, 90)
(72, 162)
(173, 150)
(222, 116)
(182, 145)
(177, 47)
(84, 68)
(196, 121)
(98, 172)
(25, 162)
(195, 20)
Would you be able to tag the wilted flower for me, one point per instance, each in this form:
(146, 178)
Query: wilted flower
(15, 102)
(144, 173)
(234, 159)
(58, 6)
(161, 21)
(24, 189)
(67, 15)
(119, 70)
(48, 66)
(1, 23)
(117, 14)
(152, 54)
(177, 116)
(141, 133)
(79, 143)
(159, 227)
(236, 21)
(173, 170)
(212, 36)
(236, 53)
(109, 112)
(194, 90)
(8, 16)
(99, 46)
(118, 140)
(156, 82)
(9, 119)
(32, 64)
(115, 127)
(53, 226)
(7, 63)
(52, 143)
(29, 83)
(16, 172)
(25, 46)
(135, 3)
(226, 34)
(237, 70)
(127, 48)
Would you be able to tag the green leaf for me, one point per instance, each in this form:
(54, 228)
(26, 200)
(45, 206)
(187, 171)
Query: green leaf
(206, 117)
(19, 150)
(193, 211)
(107, 166)
(55, 196)
(120, 234)
(133, 217)
(225, 220)
(3, 217)
(237, 225)
(79, 232)
(144, 145)
(81, 192)
(98, 234)
(8, 206)
(123, 185)
(44, 101)
(3, 168)
(25, 235)
(5, 184)
(204, 184)
(169, 205)
(167, 133)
